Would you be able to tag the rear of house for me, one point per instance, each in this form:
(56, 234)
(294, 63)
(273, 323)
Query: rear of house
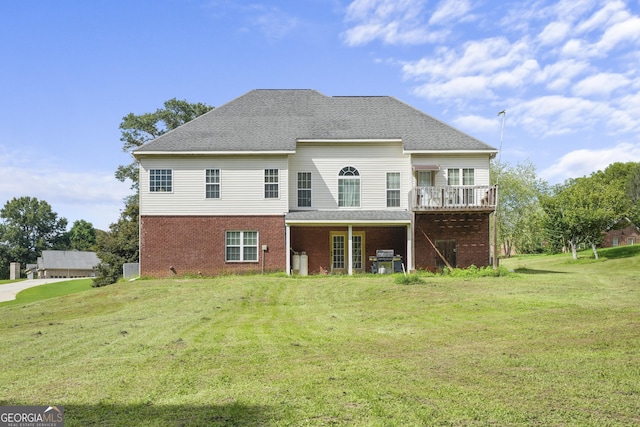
(276, 176)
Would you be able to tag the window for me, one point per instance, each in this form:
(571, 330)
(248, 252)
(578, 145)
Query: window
(304, 189)
(212, 183)
(160, 180)
(271, 185)
(393, 189)
(468, 177)
(241, 246)
(615, 242)
(629, 240)
(349, 187)
(453, 177)
(425, 179)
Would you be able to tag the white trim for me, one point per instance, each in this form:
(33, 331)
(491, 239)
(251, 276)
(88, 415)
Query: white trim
(346, 222)
(352, 141)
(287, 239)
(493, 152)
(138, 154)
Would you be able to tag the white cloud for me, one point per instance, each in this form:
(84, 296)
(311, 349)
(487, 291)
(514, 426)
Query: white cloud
(601, 84)
(474, 124)
(392, 21)
(579, 163)
(449, 10)
(554, 33)
(95, 197)
(274, 23)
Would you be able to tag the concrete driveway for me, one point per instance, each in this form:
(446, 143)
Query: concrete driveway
(9, 291)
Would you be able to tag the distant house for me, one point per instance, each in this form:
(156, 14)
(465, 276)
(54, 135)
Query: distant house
(623, 234)
(31, 271)
(67, 264)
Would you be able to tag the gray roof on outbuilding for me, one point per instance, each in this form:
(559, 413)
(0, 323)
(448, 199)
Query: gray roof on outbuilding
(274, 120)
(73, 260)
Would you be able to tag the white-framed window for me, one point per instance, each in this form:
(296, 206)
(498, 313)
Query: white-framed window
(468, 177)
(615, 242)
(425, 178)
(212, 183)
(241, 246)
(304, 189)
(349, 187)
(271, 185)
(630, 240)
(393, 189)
(160, 180)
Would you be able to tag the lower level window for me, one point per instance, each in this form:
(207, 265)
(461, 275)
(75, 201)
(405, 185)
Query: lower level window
(241, 246)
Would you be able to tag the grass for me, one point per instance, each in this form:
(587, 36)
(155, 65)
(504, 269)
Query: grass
(49, 290)
(556, 343)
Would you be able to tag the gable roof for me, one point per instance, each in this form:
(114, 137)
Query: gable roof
(267, 120)
(73, 260)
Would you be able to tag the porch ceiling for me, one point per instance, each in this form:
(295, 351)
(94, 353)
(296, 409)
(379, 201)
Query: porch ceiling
(348, 217)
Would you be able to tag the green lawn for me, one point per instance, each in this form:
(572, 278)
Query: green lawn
(49, 290)
(556, 343)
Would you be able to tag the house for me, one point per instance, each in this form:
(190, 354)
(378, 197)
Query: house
(275, 173)
(622, 234)
(67, 264)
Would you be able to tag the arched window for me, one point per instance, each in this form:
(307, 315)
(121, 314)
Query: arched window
(349, 187)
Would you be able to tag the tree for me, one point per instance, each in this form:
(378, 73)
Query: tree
(29, 227)
(118, 246)
(137, 130)
(82, 236)
(519, 210)
(581, 209)
(632, 192)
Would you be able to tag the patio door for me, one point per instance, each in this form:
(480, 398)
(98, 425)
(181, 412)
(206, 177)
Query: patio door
(339, 246)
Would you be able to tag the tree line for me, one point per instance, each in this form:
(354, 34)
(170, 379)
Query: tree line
(534, 216)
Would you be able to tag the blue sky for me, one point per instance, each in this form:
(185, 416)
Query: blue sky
(566, 72)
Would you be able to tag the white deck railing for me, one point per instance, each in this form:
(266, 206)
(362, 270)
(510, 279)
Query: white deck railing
(478, 197)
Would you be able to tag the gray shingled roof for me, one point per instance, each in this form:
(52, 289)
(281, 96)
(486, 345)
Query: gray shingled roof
(348, 216)
(273, 120)
(73, 260)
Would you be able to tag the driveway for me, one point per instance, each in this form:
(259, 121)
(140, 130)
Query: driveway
(9, 291)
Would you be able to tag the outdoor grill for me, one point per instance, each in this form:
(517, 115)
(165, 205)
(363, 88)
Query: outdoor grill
(386, 262)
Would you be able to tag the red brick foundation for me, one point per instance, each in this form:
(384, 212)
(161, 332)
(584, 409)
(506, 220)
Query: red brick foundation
(196, 244)
(470, 230)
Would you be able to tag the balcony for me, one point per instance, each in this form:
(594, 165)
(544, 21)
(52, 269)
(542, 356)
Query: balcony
(454, 198)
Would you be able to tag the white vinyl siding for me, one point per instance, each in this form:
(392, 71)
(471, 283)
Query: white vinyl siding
(372, 160)
(241, 186)
(478, 162)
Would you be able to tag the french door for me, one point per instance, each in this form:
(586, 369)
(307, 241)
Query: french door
(339, 246)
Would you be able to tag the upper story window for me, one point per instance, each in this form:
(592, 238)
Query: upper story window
(425, 178)
(271, 186)
(304, 189)
(393, 189)
(160, 180)
(464, 176)
(212, 183)
(349, 187)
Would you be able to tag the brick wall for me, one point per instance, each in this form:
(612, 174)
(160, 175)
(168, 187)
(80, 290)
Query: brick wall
(623, 235)
(469, 230)
(196, 244)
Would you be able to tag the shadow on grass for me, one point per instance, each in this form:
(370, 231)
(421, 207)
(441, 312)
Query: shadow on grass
(525, 270)
(620, 252)
(232, 414)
